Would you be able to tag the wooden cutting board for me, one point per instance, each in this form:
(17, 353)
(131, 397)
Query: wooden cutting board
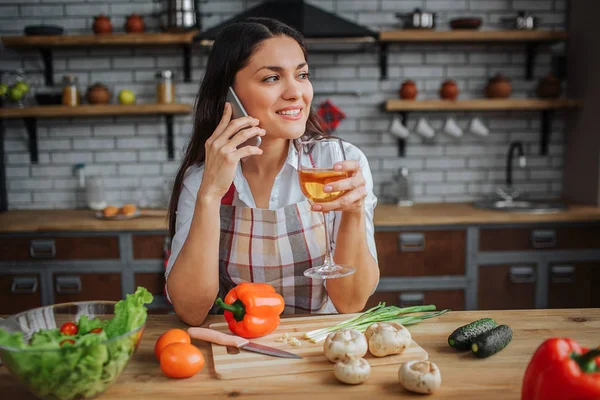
(229, 365)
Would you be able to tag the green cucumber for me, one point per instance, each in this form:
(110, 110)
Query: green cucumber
(492, 341)
(462, 338)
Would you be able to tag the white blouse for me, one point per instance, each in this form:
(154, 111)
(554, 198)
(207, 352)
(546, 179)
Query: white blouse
(286, 190)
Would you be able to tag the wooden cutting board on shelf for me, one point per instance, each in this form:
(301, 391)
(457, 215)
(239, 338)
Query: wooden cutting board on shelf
(233, 364)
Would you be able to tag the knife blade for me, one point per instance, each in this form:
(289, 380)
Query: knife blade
(213, 336)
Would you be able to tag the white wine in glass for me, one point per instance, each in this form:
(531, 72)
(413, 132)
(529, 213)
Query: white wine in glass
(316, 159)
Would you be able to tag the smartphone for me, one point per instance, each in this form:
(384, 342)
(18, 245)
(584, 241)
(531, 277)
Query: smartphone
(238, 111)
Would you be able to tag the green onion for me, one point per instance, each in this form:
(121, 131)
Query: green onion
(379, 313)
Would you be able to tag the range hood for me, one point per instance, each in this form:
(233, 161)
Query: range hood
(313, 22)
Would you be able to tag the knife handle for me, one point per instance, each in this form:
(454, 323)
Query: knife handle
(210, 335)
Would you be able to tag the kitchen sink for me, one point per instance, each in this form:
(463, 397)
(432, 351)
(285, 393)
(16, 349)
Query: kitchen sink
(521, 206)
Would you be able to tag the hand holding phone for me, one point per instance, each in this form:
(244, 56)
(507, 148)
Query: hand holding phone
(238, 111)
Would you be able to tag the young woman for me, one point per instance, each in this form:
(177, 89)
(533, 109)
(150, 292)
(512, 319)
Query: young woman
(234, 221)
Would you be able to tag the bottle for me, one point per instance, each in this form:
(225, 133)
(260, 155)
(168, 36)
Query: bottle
(70, 94)
(80, 192)
(165, 89)
(94, 193)
(404, 182)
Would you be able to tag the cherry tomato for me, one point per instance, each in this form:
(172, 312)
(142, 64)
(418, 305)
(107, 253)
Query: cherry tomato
(181, 360)
(70, 341)
(170, 336)
(96, 330)
(69, 329)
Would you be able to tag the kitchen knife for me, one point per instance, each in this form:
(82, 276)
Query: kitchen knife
(210, 335)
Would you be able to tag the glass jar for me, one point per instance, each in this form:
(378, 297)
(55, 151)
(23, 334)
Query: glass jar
(70, 94)
(94, 193)
(165, 88)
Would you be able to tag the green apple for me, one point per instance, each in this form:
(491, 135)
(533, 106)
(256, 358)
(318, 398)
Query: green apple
(3, 89)
(15, 94)
(24, 87)
(126, 97)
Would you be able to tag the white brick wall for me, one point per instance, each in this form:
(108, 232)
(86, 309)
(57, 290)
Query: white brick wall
(130, 152)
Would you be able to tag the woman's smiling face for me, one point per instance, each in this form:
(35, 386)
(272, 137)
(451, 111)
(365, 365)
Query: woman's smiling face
(274, 88)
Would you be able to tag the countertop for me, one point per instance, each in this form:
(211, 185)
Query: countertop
(386, 215)
(463, 376)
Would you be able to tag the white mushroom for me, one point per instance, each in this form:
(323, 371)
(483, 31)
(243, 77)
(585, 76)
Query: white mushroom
(387, 338)
(352, 370)
(420, 376)
(345, 343)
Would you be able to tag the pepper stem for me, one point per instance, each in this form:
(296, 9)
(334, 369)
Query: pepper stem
(237, 308)
(587, 361)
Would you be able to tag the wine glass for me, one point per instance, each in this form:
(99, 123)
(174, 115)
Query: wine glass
(316, 159)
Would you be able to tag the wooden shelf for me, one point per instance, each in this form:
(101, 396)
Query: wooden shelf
(466, 35)
(545, 106)
(47, 43)
(480, 105)
(31, 114)
(115, 39)
(531, 39)
(88, 110)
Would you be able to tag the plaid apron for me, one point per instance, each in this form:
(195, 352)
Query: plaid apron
(274, 247)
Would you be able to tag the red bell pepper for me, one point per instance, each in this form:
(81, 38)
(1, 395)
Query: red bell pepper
(562, 370)
(252, 309)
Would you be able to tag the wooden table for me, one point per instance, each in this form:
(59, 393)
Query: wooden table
(463, 375)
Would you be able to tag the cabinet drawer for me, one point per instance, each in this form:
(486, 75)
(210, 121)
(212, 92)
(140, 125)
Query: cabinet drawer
(574, 285)
(421, 253)
(86, 287)
(59, 248)
(453, 299)
(19, 292)
(506, 287)
(148, 246)
(539, 239)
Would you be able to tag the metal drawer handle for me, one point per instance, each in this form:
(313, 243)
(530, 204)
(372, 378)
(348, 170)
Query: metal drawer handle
(24, 285)
(68, 284)
(411, 242)
(411, 299)
(543, 239)
(522, 275)
(42, 249)
(562, 274)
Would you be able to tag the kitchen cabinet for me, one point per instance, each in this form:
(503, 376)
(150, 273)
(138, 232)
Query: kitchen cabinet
(85, 287)
(504, 287)
(149, 246)
(453, 299)
(516, 239)
(421, 253)
(574, 285)
(59, 248)
(19, 292)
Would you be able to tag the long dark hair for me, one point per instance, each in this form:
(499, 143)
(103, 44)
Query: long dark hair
(231, 51)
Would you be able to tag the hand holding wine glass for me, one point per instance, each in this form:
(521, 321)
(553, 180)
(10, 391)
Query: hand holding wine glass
(331, 183)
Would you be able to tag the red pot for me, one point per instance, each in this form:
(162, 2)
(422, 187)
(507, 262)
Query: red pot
(408, 90)
(498, 87)
(102, 25)
(134, 24)
(449, 90)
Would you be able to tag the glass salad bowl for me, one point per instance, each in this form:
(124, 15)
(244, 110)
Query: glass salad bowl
(41, 349)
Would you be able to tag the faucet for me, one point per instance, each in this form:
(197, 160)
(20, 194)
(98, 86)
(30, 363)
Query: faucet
(522, 160)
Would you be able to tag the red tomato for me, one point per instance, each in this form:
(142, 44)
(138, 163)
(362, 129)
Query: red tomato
(181, 360)
(96, 330)
(70, 341)
(69, 329)
(170, 336)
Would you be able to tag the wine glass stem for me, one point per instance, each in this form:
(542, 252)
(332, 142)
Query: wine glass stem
(328, 256)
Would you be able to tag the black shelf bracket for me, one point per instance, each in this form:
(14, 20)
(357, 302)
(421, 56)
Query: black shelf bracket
(48, 66)
(170, 139)
(31, 125)
(383, 61)
(187, 62)
(530, 53)
(3, 192)
(546, 130)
